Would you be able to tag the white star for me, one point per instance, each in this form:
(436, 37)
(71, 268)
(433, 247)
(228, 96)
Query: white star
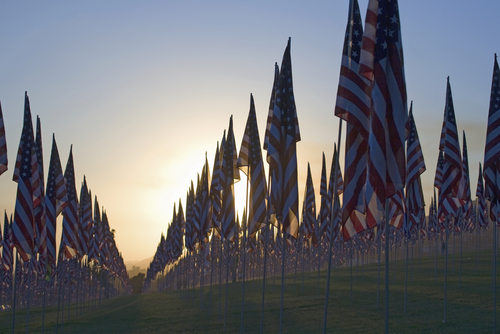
(394, 19)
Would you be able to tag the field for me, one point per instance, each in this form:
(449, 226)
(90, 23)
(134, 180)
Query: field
(469, 307)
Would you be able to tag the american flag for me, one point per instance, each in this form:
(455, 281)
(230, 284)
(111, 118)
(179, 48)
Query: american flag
(8, 245)
(464, 190)
(271, 107)
(284, 133)
(438, 179)
(251, 164)
(191, 232)
(353, 105)
(337, 209)
(205, 202)
(196, 212)
(55, 198)
(228, 176)
(98, 233)
(39, 193)
(85, 218)
(449, 201)
(309, 211)
(23, 227)
(3, 145)
(492, 148)
(382, 61)
(215, 191)
(415, 166)
(70, 228)
(482, 214)
(324, 210)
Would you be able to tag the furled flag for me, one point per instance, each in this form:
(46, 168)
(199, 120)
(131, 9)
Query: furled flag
(23, 227)
(449, 201)
(228, 177)
(55, 201)
(284, 133)
(215, 191)
(353, 106)
(271, 107)
(309, 212)
(492, 149)
(336, 214)
(8, 245)
(464, 190)
(70, 229)
(251, 164)
(324, 210)
(3, 145)
(482, 214)
(382, 62)
(85, 218)
(415, 166)
(438, 179)
(39, 192)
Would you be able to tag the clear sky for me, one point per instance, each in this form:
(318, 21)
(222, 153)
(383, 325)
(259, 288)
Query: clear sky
(142, 89)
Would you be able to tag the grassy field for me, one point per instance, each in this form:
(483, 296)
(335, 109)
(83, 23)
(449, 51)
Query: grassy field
(469, 305)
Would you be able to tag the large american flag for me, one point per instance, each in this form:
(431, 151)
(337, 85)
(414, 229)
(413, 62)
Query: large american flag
(382, 61)
(39, 192)
(449, 200)
(23, 227)
(353, 105)
(70, 228)
(492, 148)
(55, 198)
(251, 164)
(284, 133)
(3, 145)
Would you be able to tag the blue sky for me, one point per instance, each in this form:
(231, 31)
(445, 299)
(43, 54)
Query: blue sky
(142, 89)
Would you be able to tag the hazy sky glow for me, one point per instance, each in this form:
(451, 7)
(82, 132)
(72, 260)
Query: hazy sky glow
(143, 89)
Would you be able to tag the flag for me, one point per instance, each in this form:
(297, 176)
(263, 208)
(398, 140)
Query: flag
(324, 210)
(309, 211)
(492, 147)
(39, 192)
(23, 227)
(3, 145)
(85, 218)
(215, 191)
(353, 105)
(382, 62)
(438, 179)
(449, 201)
(205, 202)
(251, 164)
(271, 107)
(70, 242)
(482, 214)
(228, 177)
(284, 133)
(464, 190)
(8, 245)
(55, 201)
(334, 197)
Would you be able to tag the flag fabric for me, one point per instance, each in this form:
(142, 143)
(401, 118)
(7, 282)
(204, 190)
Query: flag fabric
(309, 210)
(8, 245)
(23, 227)
(284, 133)
(464, 190)
(85, 218)
(382, 62)
(482, 214)
(228, 177)
(324, 210)
(3, 145)
(215, 191)
(39, 192)
(438, 179)
(70, 230)
(353, 105)
(337, 209)
(492, 148)
(449, 200)
(251, 164)
(271, 107)
(55, 201)
(205, 202)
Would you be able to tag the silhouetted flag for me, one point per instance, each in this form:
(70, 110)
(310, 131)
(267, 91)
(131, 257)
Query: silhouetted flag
(335, 205)
(324, 210)
(250, 162)
(205, 202)
(310, 209)
(492, 148)
(85, 218)
(464, 190)
(482, 214)
(281, 151)
(227, 181)
(8, 245)
(55, 201)
(39, 193)
(382, 62)
(215, 191)
(3, 145)
(23, 227)
(271, 107)
(353, 105)
(70, 214)
(449, 201)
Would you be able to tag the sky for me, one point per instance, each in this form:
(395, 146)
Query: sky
(142, 89)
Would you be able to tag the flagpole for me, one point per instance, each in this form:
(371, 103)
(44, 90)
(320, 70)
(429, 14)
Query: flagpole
(445, 265)
(283, 248)
(14, 293)
(266, 237)
(386, 266)
(494, 274)
(331, 228)
(244, 255)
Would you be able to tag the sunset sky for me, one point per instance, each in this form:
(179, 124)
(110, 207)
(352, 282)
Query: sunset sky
(142, 89)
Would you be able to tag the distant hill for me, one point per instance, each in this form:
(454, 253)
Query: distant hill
(143, 264)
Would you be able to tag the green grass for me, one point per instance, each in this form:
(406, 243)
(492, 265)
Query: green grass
(469, 305)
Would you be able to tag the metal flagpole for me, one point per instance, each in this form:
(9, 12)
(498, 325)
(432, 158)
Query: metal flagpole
(266, 237)
(14, 293)
(332, 213)
(386, 266)
(244, 256)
